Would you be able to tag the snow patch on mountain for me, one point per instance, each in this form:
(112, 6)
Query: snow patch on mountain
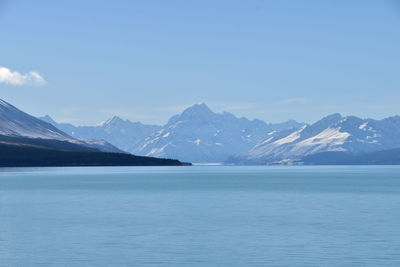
(288, 139)
(332, 133)
(199, 135)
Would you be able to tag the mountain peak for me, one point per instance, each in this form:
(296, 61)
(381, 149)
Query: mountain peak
(113, 120)
(199, 110)
(199, 106)
(48, 119)
(334, 116)
(330, 119)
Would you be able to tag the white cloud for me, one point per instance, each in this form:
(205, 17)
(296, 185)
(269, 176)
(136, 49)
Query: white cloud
(16, 78)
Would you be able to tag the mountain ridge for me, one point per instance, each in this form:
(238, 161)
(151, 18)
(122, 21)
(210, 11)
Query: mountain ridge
(28, 141)
(121, 133)
(221, 134)
(333, 133)
(199, 135)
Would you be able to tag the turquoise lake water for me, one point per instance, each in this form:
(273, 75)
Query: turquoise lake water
(200, 216)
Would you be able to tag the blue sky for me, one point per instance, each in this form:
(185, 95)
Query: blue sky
(147, 60)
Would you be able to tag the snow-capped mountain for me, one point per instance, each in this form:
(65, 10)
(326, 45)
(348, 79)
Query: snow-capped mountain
(14, 122)
(17, 124)
(349, 134)
(200, 135)
(124, 134)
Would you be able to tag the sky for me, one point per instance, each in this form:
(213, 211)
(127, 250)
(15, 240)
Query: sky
(84, 61)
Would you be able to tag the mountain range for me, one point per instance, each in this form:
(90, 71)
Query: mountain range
(335, 133)
(124, 134)
(29, 141)
(16, 124)
(196, 135)
(200, 135)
